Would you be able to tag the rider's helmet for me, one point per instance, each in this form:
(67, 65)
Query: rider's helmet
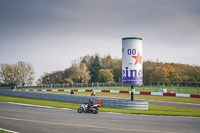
(90, 100)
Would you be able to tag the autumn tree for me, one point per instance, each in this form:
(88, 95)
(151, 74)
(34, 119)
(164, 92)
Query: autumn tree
(87, 60)
(107, 62)
(39, 82)
(75, 73)
(46, 78)
(57, 77)
(105, 75)
(117, 71)
(86, 69)
(158, 76)
(169, 72)
(84, 73)
(78, 74)
(25, 73)
(148, 68)
(21, 73)
(68, 81)
(8, 74)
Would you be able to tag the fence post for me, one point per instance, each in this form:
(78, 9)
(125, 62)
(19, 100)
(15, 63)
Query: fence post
(143, 87)
(177, 88)
(186, 88)
(97, 85)
(132, 95)
(172, 88)
(151, 86)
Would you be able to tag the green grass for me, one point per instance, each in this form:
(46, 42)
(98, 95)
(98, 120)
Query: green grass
(153, 109)
(2, 131)
(146, 97)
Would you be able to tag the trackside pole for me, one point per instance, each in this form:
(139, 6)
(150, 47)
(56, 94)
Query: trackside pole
(132, 96)
(132, 63)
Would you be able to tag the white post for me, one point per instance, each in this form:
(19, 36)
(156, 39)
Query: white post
(172, 88)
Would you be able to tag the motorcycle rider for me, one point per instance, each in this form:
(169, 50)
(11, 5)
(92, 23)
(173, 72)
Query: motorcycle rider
(90, 103)
(93, 93)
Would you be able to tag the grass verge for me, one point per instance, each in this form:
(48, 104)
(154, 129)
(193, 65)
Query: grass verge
(153, 109)
(2, 131)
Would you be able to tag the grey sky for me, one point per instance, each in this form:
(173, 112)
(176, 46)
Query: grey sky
(51, 33)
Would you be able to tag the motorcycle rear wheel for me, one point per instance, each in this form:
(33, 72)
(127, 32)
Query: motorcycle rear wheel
(80, 110)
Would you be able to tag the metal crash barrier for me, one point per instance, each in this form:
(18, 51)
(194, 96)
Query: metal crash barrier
(105, 102)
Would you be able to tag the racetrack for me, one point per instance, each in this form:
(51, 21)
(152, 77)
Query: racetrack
(191, 105)
(27, 119)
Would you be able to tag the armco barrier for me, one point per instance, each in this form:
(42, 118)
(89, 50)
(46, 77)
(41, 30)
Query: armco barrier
(195, 96)
(182, 95)
(114, 91)
(169, 94)
(145, 93)
(123, 91)
(127, 104)
(157, 93)
(105, 90)
(106, 102)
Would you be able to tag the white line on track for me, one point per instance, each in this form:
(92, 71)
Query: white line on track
(39, 106)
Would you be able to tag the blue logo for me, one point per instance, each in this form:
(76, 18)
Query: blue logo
(134, 78)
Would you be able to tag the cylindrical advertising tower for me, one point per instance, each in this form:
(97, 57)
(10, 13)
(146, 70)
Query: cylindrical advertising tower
(132, 72)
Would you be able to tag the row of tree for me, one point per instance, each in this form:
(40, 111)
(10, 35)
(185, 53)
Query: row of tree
(21, 73)
(170, 72)
(86, 69)
(106, 69)
(98, 69)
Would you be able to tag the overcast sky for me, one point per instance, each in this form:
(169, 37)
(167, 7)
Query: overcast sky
(51, 33)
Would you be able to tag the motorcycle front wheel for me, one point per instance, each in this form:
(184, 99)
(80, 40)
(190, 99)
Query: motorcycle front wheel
(96, 111)
(80, 110)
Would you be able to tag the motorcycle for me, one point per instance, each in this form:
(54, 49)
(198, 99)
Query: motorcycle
(84, 108)
(93, 93)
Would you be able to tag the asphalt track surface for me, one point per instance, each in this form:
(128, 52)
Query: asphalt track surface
(191, 105)
(27, 119)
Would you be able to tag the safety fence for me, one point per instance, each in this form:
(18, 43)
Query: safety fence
(115, 85)
(118, 91)
(106, 102)
(184, 88)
